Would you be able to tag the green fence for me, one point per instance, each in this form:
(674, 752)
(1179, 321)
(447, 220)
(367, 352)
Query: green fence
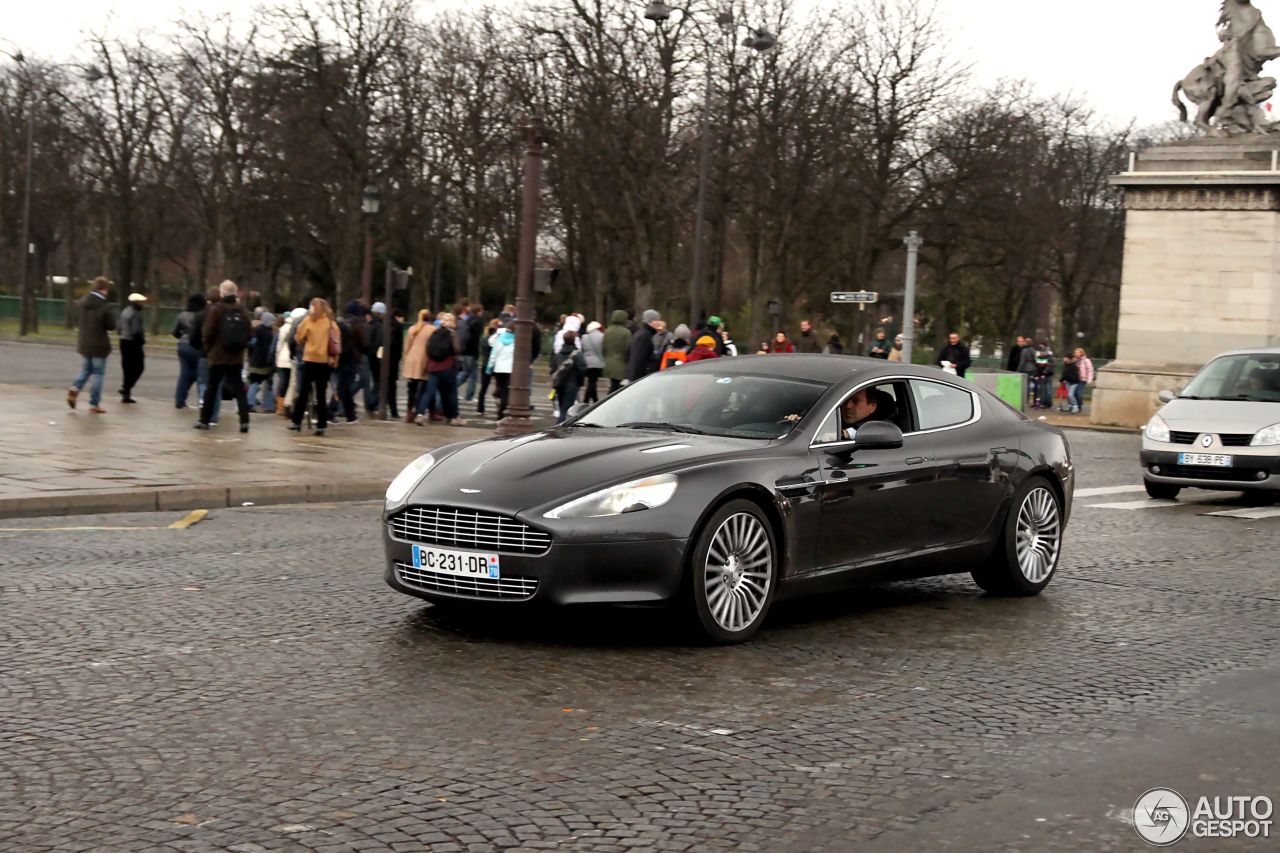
(53, 312)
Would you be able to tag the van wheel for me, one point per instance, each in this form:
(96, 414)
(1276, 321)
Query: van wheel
(1162, 491)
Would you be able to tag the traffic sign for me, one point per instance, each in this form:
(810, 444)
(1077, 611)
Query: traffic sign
(865, 297)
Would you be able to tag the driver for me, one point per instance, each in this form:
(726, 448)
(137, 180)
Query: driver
(862, 406)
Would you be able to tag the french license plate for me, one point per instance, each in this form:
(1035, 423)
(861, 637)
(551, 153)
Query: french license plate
(467, 564)
(1212, 460)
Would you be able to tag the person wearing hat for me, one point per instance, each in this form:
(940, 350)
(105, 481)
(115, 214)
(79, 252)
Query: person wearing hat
(704, 348)
(895, 354)
(133, 339)
(93, 342)
(592, 343)
(287, 361)
(642, 361)
(377, 322)
(262, 362)
(714, 328)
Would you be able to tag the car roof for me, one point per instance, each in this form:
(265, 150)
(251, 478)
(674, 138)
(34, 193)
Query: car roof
(804, 366)
(1255, 351)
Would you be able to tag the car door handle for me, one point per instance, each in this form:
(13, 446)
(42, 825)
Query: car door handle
(917, 460)
(802, 485)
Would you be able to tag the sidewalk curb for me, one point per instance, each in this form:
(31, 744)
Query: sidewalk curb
(169, 498)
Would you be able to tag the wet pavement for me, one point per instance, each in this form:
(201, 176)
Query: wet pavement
(250, 683)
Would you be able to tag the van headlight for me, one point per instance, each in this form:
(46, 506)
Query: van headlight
(1268, 437)
(1157, 429)
(648, 493)
(412, 474)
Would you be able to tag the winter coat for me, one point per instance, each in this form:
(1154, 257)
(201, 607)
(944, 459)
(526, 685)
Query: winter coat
(184, 325)
(880, 348)
(502, 351)
(260, 349)
(958, 355)
(640, 362)
(475, 335)
(97, 319)
(131, 325)
(809, 343)
(1027, 361)
(359, 339)
(313, 338)
(284, 359)
(702, 352)
(1071, 373)
(1013, 363)
(895, 355)
(449, 363)
(617, 347)
(571, 324)
(593, 349)
(1085, 366)
(415, 351)
(572, 380)
(212, 347)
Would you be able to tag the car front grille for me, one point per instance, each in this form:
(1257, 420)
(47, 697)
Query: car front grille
(509, 589)
(465, 528)
(1230, 475)
(1228, 439)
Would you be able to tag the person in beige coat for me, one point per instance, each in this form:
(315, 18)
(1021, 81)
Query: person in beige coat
(413, 367)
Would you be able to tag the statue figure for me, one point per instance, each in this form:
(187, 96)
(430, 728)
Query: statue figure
(1227, 87)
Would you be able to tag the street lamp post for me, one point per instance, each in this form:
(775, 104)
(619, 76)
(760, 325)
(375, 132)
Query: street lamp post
(760, 41)
(518, 420)
(913, 242)
(369, 204)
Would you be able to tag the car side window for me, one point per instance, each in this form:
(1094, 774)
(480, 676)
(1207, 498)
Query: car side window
(829, 432)
(939, 405)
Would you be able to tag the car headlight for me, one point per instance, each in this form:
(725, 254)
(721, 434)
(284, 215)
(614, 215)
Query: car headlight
(1157, 429)
(648, 493)
(1267, 437)
(409, 477)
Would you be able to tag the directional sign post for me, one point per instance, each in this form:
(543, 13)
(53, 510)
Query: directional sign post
(855, 297)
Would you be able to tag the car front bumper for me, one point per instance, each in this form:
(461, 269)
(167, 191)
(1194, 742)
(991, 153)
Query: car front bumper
(628, 572)
(1248, 473)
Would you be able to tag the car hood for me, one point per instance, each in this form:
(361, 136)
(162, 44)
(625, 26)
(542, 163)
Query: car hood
(1219, 416)
(511, 475)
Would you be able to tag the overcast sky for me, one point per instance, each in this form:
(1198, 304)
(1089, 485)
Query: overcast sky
(1123, 57)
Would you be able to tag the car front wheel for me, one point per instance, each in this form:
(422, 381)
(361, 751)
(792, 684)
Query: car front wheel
(1026, 557)
(1161, 491)
(733, 573)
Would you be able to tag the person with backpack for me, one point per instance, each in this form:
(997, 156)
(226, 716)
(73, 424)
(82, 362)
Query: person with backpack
(320, 341)
(188, 355)
(226, 337)
(677, 351)
(704, 348)
(443, 348)
(568, 370)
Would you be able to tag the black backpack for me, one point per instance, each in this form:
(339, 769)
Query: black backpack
(233, 330)
(568, 364)
(440, 344)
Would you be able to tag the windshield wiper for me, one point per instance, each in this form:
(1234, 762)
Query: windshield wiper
(1248, 397)
(691, 430)
(584, 424)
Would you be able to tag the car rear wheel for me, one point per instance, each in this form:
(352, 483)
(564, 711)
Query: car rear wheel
(1026, 557)
(1161, 491)
(733, 573)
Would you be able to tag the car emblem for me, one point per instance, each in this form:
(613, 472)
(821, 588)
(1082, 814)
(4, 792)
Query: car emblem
(1206, 441)
(470, 491)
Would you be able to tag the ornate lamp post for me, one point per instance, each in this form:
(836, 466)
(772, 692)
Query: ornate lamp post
(518, 420)
(369, 204)
(758, 40)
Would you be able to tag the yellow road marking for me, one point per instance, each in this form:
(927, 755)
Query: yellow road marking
(194, 517)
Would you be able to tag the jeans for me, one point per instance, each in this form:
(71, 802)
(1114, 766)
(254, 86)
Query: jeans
(133, 362)
(259, 381)
(348, 379)
(188, 371)
(96, 367)
(1075, 395)
(468, 373)
(202, 388)
(446, 382)
(282, 384)
(314, 380)
(218, 375)
(566, 399)
(366, 382)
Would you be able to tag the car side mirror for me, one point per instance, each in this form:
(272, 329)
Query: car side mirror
(877, 435)
(1166, 396)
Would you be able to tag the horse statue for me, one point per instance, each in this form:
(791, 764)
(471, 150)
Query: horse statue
(1226, 87)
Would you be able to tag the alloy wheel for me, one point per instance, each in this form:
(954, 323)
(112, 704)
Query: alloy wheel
(738, 572)
(1039, 535)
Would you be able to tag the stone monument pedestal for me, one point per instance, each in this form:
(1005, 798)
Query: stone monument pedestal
(1201, 267)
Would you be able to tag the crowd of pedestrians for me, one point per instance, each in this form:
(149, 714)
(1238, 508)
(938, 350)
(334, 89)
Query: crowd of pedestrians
(308, 365)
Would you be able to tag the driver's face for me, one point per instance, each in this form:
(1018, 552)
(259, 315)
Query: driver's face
(857, 407)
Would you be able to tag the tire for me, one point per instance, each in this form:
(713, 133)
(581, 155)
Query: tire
(732, 574)
(1026, 557)
(1162, 491)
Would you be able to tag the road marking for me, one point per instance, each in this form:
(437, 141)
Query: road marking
(1255, 514)
(1149, 503)
(194, 517)
(1108, 490)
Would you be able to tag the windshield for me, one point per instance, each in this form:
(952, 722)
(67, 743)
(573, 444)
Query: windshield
(759, 407)
(1238, 377)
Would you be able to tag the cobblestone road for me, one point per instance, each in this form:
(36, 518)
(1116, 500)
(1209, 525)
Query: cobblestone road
(251, 684)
